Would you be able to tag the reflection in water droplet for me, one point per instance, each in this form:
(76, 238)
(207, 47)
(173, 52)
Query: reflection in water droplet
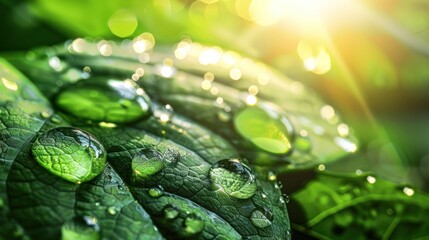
(234, 178)
(265, 128)
(81, 228)
(271, 176)
(70, 153)
(146, 163)
(171, 211)
(193, 225)
(156, 192)
(261, 217)
(104, 100)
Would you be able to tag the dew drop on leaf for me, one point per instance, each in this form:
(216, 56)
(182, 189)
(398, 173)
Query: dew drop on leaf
(265, 128)
(104, 100)
(70, 153)
(171, 211)
(193, 225)
(234, 178)
(146, 163)
(171, 156)
(156, 192)
(81, 228)
(112, 210)
(261, 217)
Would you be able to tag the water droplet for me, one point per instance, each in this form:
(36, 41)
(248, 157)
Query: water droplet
(112, 210)
(265, 128)
(263, 195)
(171, 211)
(193, 224)
(97, 204)
(70, 153)
(56, 64)
(81, 227)
(104, 100)
(371, 179)
(56, 119)
(171, 156)
(286, 197)
(261, 217)
(156, 192)
(146, 163)
(271, 176)
(234, 178)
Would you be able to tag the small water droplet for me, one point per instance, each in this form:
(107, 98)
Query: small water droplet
(234, 178)
(97, 204)
(104, 100)
(45, 114)
(112, 210)
(371, 179)
(263, 126)
(81, 227)
(56, 119)
(261, 217)
(171, 156)
(193, 225)
(263, 195)
(271, 176)
(171, 211)
(156, 192)
(146, 163)
(70, 153)
(286, 197)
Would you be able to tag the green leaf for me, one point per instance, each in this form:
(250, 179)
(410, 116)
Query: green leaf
(173, 200)
(349, 206)
(216, 88)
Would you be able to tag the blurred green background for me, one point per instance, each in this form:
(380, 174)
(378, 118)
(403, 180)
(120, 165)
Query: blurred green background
(368, 59)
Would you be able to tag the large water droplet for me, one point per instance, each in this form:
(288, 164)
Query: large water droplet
(265, 128)
(261, 217)
(70, 153)
(193, 224)
(146, 163)
(234, 178)
(81, 228)
(171, 211)
(104, 100)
